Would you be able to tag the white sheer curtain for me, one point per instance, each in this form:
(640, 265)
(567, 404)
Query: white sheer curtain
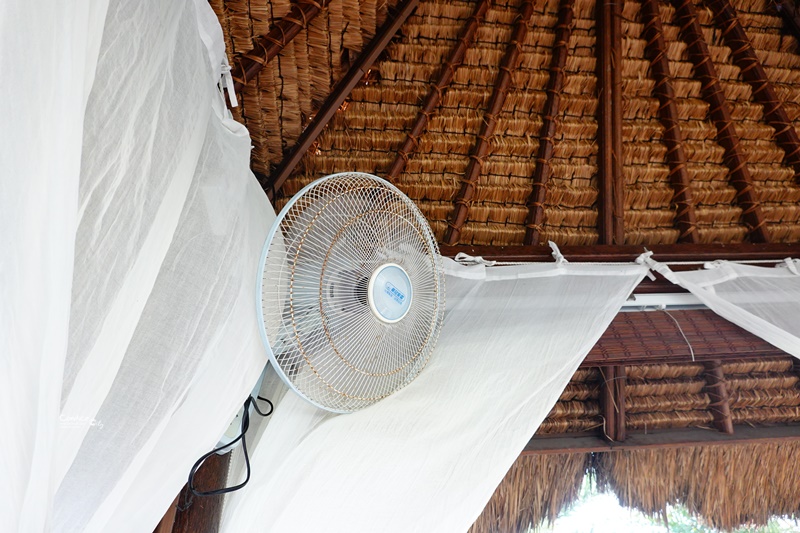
(763, 300)
(129, 334)
(429, 457)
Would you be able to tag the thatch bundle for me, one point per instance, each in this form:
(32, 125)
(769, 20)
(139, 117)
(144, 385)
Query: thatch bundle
(728, 486)
(536, 489)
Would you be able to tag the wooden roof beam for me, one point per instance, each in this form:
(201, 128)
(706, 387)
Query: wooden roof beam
(739, 175)
(753, 73)
(438, 87)
(666, 438)
(611, 198)
(555, 84)
(628, 253)
(266, 47)
(685, 218)
(481, 150)
(339, 94)
(718, 394)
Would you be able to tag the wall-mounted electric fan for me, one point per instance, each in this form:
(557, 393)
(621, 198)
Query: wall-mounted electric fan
(351, 291)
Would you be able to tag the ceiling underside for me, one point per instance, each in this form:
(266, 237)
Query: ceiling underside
(369, 129)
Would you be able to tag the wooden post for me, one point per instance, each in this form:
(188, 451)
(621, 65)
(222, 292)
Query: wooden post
(685, 218)
(609, 132)
(439, 87)
(619, 402)
(739, 175)
(718, 393)
(247, 65)
(542, 172)
(753, 73)
(340, 92)
(607, 400)
(481, 150)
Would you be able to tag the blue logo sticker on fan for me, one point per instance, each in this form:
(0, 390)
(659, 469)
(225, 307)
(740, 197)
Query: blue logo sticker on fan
(395, 293)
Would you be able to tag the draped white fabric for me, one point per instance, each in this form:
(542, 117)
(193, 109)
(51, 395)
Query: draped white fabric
(429, 457)
(763, 300)
(129, 334)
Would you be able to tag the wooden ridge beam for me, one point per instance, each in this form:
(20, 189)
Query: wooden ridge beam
(739, 175)
(438, 87)
(247, 65)
(339, 94)
(628, 253)
(718, 394)
(753, 73)
(667, 438)
(685, 217)
(502, 85)
(555, 84)
(610, 202)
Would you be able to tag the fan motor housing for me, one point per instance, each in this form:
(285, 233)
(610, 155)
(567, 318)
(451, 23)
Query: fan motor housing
(390, 293)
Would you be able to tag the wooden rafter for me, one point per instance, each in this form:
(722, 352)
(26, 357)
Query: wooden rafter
(555, 84)
(738, 175)
(339, 94)
(718, 394)
(685, 218)
(247, 65)
(609, 132)
(753, 73)
(438, 87)
(481, 150)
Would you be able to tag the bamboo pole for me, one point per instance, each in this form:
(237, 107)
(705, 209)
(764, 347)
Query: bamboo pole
(266, 47)
(753, 73)
(339, 94)
(555, 84)
(685, 217)
(609, 137)
(739, 175)
(439, 87)
(481, 150)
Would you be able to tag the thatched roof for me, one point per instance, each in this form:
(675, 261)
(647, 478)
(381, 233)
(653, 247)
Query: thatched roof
(727, 486)
(368, 131)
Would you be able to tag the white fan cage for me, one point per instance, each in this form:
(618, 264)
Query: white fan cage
(321, 335)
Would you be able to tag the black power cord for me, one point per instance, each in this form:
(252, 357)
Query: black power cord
(249, 402)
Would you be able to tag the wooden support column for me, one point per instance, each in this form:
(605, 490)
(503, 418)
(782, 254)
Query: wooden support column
(202, 514)
(555, 84)
(718, 393)
(620, 381)
(753, 73)
(609, 132)
(439, 87)
(339, 94)
(739, 175)
(481, 150)
(247, 65)
(685, 218)
(607, 402)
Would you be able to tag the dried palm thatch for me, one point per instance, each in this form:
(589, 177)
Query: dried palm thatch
(727, 486)
(537, 488)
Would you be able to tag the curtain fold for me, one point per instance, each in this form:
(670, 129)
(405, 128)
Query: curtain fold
(763, 300)
(134, 227)
(429, 457)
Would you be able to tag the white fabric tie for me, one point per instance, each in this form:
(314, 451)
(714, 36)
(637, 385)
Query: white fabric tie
(646, 259)
(557, 255)
(226, 75)
(791, 264)
(466, 259)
